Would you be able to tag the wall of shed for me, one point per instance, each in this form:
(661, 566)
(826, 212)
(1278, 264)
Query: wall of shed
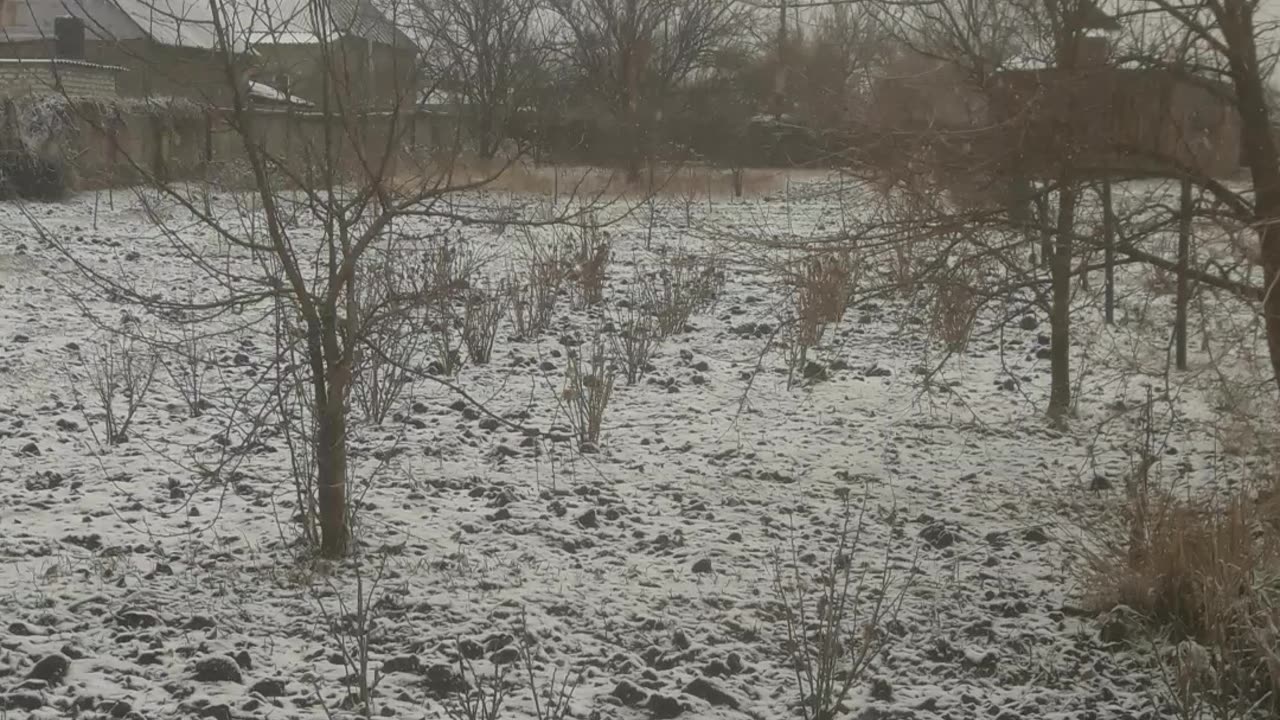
(103, 147)
(150, 69)
(1121, 120)
(358, 74)
(75, 80)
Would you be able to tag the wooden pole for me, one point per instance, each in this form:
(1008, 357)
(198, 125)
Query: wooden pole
(1184, 262)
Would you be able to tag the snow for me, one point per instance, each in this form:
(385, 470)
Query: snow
(266, 92)
(688, 470)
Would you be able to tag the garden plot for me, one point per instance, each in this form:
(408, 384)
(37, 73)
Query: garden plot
(646, 564)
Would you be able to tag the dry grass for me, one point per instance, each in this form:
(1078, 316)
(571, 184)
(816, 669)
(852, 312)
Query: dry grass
(955, 307)
(1205, 576)
(591, 263)
(824, 284)
(684, 181)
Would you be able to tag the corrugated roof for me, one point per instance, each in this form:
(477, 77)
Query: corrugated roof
(180, 23)
(103, 20)
(189, 23)
(55, 62)
(293, 20)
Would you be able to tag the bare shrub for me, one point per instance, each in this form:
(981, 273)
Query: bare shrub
(478, 697)
(351, 628)
(587, 391)
(296, 420)
(834, 632)
(591, 262)
(1161, 281)
(120, 373)
(635, 342)
(685, 285)
(481, 316)
(796, 342)
(955, 307)
(544, 265)
(448, 269)
(386, 299)
(907, 207)
(552, 701)
(187, 363)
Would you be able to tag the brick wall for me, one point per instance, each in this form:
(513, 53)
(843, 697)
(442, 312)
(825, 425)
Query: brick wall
(76, 79)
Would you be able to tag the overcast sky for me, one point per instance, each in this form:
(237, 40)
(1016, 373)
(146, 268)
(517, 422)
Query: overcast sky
(1270, 10)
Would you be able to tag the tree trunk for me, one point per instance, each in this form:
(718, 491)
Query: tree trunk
(1020, 211)
(1263, 158)
(1060, 314)
(635, 151)
(1041, 203)
(481, 123)
(1264, 165)
(1182, 298)
(331, 378)
(331, 473)
(1109, 240)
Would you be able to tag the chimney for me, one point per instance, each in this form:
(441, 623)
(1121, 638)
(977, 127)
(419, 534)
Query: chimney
(68, 38)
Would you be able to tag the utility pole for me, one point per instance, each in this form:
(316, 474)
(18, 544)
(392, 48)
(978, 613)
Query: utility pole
(780, 77)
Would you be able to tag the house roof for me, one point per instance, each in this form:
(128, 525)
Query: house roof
(293, 22)
(189, 23)
(59, 62)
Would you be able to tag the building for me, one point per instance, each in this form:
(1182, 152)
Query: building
(1082, 111)
(1093, 116)
(72, 78)
(354, 58)
(322, 51)
(165, 47)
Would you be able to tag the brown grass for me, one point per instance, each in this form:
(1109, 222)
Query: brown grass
(955, 307)
(1202, 574)
(683, 181)
(591, 263)
(824, 284)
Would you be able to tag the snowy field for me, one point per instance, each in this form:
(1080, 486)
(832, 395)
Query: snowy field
(648, 566)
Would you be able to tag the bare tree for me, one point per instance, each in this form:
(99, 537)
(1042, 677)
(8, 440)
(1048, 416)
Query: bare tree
(346, 183)
(490, 52)
(1225, 39)
(632, 54)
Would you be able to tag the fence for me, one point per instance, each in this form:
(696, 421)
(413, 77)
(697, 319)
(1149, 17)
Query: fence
(99, 144)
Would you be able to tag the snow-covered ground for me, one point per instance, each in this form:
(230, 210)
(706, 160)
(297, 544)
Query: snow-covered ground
(647, 565)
